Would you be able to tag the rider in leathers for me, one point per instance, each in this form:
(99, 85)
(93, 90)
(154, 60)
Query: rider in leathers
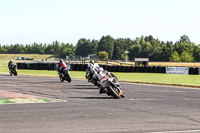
(92, 67)
(11, 64)
(62, 65)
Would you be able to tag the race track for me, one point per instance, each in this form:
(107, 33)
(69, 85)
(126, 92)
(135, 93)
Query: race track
(145, 108)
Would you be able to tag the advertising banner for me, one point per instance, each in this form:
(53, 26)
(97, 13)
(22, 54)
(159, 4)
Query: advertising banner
(177, 70)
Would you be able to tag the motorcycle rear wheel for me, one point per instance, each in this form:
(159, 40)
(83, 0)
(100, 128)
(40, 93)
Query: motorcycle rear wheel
(61, 79)
(15, 73)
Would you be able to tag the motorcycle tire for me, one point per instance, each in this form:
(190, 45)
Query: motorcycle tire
(113, 93)
(68, 77)
(61, 79)
(15, 73)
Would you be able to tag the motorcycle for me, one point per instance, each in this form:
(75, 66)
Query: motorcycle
(65, 75)
(13, 70)
(91, 75)
(112, 87)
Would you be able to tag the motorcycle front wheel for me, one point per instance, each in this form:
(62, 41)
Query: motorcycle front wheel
(113, 92)
(15, 74)
(68, 77)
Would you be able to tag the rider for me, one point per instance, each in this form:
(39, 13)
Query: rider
(62, 65)
(11, 64)
(91, 68)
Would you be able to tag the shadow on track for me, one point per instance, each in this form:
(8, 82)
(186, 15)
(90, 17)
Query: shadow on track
(83, 85)
(93, 97)
(86, 88)
(6, 75)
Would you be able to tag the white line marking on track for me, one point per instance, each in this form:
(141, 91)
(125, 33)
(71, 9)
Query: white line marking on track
(164, 99)
(187, 131)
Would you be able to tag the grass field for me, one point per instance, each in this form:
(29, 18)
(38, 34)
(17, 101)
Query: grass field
(35, 56)
(193, 80)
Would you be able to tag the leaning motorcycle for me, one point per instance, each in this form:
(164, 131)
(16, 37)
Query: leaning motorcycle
(112, 87)
(65, 75)
(13, 70)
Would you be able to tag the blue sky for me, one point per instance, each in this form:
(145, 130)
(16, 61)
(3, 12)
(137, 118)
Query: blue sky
(45, 21)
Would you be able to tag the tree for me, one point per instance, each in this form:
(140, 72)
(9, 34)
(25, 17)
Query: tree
(174, 57)
(118, 49)
(84, 47)
(185, 39)
(106, 44)
(135, 51)
(103, 55)
(196, 53)
(186, 57)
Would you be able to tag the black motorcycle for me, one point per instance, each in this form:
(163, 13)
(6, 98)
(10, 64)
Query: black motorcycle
(13, 70)
(65, 75)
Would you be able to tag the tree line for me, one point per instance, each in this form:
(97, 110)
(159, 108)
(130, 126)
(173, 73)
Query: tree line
(109, 48)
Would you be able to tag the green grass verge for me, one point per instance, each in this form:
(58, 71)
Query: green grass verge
(28, 100)
(193, 80)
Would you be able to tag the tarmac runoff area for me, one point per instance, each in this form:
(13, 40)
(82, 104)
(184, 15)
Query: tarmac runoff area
(10, 97)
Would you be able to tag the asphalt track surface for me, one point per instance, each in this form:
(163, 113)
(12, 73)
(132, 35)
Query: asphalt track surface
(145, 109)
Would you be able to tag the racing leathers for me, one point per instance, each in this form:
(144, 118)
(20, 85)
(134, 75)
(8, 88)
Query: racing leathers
(11, 65)
(91, 70)
(62, 65)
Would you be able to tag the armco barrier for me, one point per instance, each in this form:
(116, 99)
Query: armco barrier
(196, 71)
(145, 69)
(104, 67)
(83, 67)
(163, 69)
(191, 70)
(76, 67)
(136, 69)
(26, 66)
(140, 69)
(149, 69)
(132, 69)
(109, 68)
(154, 69)
(158, 69)
(20, 65)
(127, 69)
(80, 67)
(114, 68)
(122, 68)
(33, 66)
(118, 68)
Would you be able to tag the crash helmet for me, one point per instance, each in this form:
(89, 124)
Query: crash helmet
(61, 60)
(92, 62)
(11, 61)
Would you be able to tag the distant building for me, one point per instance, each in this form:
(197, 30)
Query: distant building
(141, 61)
